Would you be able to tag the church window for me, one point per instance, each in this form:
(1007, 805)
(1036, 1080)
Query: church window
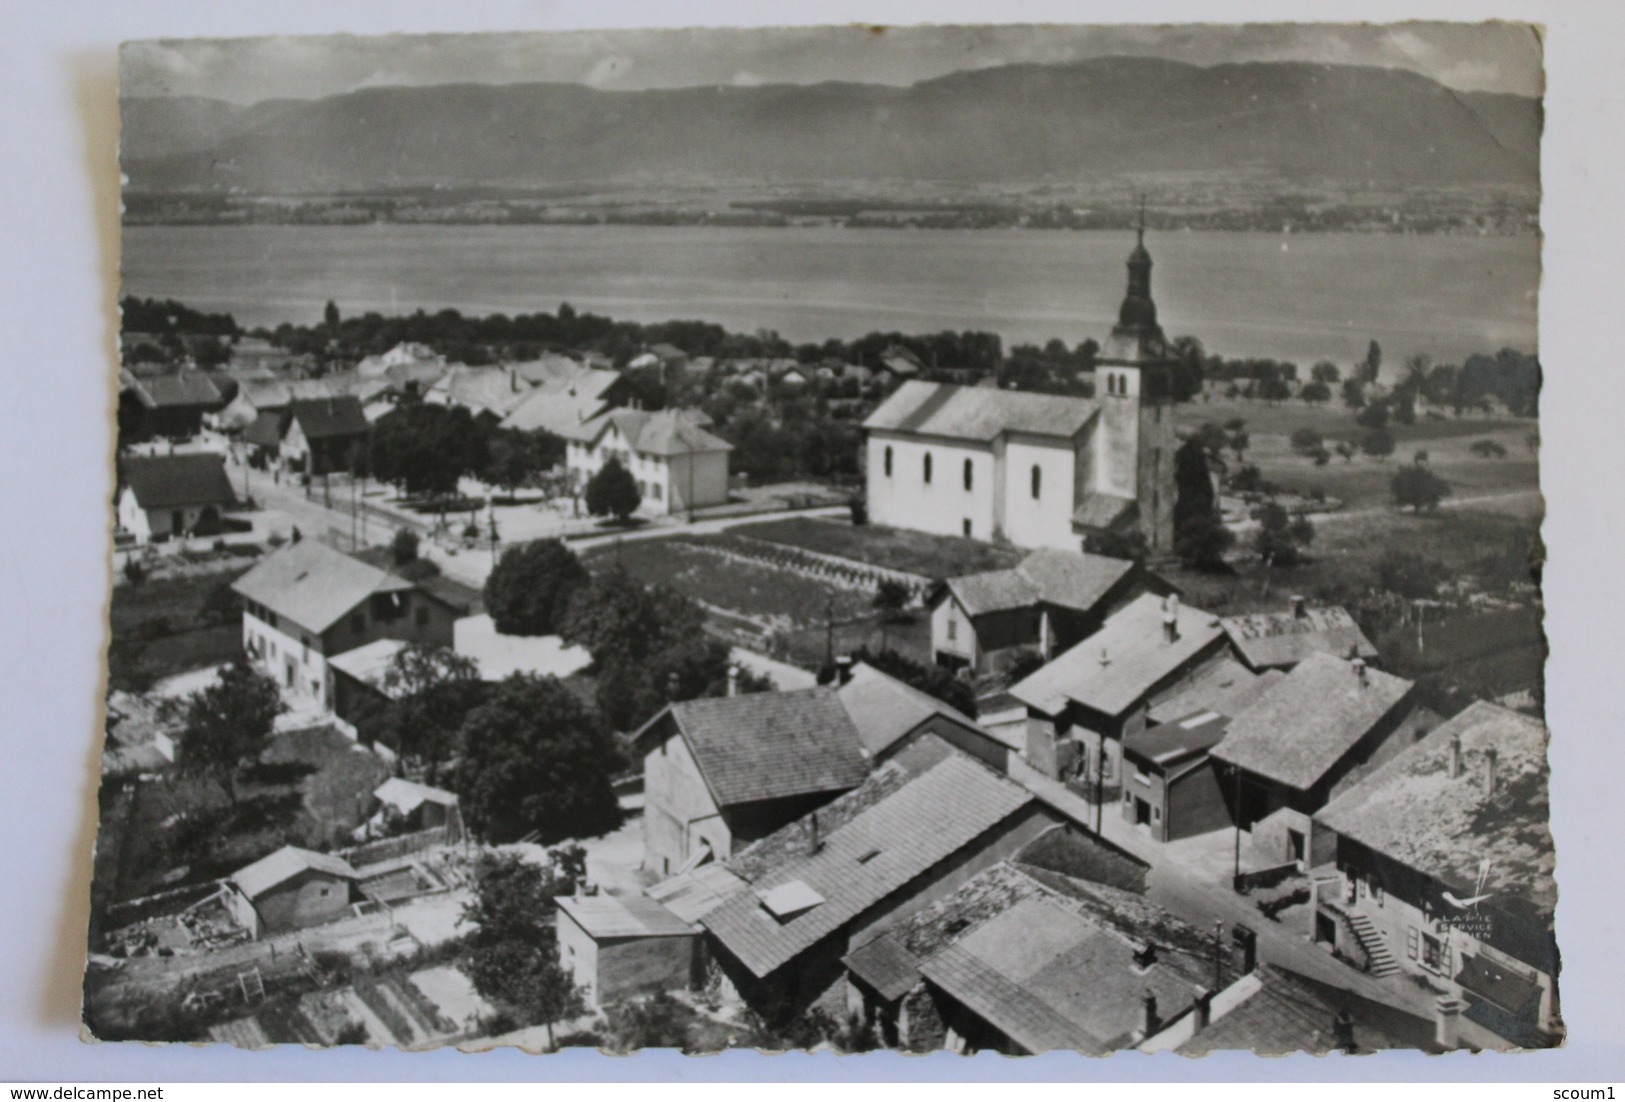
(967, 527)
(888, 461)
(969, 473)
(928, 467)
(1038, 481)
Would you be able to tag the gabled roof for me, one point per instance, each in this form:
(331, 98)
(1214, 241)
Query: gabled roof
(1412, 811)
(616, 916)
(264, 394)
(1104, 512)
(370, 663)
(904, 836)
(1049, 978)
(480, 388)
(546, 368)
(694, 894)
(558, 404)
(770, 746)
(885, 709)
(1285, 638)
(405, 795)
(1304, 724)
(1280, 1013)
(325, 418)
(1168, 745)
(977, 414)
(169, 481)
(663, 433)
(267, 429)
(314, 585)
(1067, 579)
(285, 864)
(1225, 687)
(1127, 658)
(179, 389)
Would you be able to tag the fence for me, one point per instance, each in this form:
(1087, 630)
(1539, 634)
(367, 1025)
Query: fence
(161, 903)
(390, 849)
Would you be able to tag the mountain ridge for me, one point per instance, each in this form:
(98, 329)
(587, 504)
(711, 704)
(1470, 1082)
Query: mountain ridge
(1099, 118)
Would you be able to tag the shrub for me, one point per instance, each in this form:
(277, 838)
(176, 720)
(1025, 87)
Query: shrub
(134, 572)
(403, 548)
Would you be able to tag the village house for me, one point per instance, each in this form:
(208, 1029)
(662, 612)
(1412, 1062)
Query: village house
(307, 603)
(258, 397)
(166, 496)
(405, 354)
(321, 434)
(721, 772)
(1442, 868)
(492, 390)
(677, 463)
(621, 947)
(1047, 603)
(169, 405)
(1171, 785)
(841, 875)
(292, 889)
(560, 402)
(1038, 470)
(1081, 706)
(896, 720)
(1280, 640)
(1307, 738)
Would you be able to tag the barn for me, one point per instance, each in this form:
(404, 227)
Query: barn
(619, 947)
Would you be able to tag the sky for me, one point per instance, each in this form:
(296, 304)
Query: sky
(1496, 57)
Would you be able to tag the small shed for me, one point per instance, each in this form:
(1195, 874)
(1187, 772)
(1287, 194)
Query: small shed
(1170, 784)
(420, 806)
(619, 947)
(291, 889)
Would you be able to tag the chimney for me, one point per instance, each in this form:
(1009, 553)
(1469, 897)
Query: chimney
(733, 679)
(1299, 610)
(1455, 756)
(1203, 1010)
(1170, 618)
(1447, 1021)
(843, 670)
(1359, 670)
(1245, 942)
(1489, 771)
(814, 842)
(1151, 1022)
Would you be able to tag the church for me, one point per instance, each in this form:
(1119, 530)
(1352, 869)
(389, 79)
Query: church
(1038, 470)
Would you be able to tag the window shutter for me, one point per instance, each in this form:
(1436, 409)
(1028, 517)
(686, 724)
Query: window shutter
(1412, 940)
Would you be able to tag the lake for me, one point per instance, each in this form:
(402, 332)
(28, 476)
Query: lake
(1302, 297)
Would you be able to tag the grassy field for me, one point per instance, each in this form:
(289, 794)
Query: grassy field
(160, 627)
(773, 599)
(1362, 482)
(893, 548)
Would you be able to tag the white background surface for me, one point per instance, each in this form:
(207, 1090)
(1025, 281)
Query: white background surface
(58, 287)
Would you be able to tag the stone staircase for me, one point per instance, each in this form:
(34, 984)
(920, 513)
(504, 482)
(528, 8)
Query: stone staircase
(1379, 961)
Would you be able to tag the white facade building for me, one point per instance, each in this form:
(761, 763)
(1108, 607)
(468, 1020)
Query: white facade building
(677, 463)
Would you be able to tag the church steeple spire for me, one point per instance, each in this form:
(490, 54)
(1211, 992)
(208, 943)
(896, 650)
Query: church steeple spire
(1138, 315)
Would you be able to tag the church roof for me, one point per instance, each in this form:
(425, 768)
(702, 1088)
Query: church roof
(977, 414)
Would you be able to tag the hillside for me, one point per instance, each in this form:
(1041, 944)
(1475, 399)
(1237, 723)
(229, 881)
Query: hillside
(1088, 120)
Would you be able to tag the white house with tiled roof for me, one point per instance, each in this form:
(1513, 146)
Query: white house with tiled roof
(308, 603)
(677, 462)
(1038, 470)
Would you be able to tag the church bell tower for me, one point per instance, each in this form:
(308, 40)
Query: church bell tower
(1135, 374)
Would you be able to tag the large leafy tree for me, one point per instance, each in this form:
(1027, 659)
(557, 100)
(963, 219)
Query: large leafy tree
(425, 449)
(1282, 539)
(1200, 537)
(432, 690)
(513, 956)
(228, 724)
(536, 760)
(515, 458)
(531, 586)
(613, 492)
(1418, 488)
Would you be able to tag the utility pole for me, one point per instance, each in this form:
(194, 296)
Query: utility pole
(1235, 876)
(1218, 956)
(829, 630)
